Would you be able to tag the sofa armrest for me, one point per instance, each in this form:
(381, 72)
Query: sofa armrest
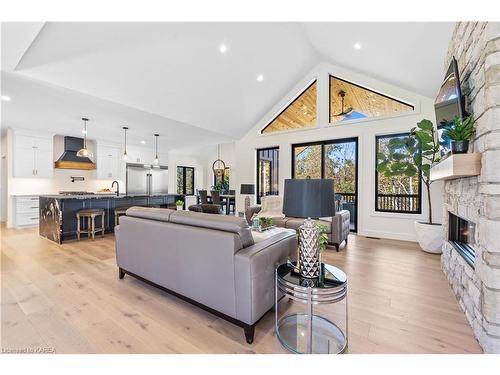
(254, 274)
(340, 226)
(252, 210)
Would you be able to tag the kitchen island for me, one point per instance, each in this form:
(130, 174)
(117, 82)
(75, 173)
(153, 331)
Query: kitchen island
(58, 212)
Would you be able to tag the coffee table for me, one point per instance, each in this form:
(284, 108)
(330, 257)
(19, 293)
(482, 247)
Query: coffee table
(304, 330)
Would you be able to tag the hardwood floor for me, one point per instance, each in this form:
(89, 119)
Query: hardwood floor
(68, 297)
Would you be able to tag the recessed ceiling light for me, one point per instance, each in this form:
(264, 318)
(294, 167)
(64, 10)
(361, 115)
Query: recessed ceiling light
(260, 78)
(223, 48)
(357, 45)
(143, 142)
(6, 98)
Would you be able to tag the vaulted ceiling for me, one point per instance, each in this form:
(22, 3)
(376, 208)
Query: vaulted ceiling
(174, 75)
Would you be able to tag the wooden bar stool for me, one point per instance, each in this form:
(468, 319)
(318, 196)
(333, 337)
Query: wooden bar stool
(91, 214)
(119, 212)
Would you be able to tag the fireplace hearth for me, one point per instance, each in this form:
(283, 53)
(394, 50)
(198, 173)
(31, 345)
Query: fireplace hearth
(461, 237)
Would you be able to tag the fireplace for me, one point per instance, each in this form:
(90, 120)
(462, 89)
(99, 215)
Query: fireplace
(461, 237)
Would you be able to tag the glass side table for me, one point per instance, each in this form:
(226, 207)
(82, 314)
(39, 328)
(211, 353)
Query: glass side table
(300, 329)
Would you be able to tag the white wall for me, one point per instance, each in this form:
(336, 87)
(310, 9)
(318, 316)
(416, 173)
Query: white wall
(370, 223)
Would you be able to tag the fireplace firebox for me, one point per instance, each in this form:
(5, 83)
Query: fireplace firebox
(461, 237)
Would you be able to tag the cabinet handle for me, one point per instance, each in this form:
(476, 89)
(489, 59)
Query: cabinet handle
(34, 199)
(34, 218)
(34, 207)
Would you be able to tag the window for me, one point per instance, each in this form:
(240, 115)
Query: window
(301, 113)
(185, 180)
(267, 172)
(399, 193)
(221, 183)
(349, 101)
(335, 159)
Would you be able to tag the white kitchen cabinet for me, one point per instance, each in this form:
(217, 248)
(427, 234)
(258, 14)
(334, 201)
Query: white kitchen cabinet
(32, 156)
(26, 211)
(108, 162)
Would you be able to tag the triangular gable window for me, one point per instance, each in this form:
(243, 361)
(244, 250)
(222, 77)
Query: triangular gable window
(300, 113)
(349, 101)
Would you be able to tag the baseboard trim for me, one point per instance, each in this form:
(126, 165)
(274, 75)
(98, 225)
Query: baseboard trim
(388, 235)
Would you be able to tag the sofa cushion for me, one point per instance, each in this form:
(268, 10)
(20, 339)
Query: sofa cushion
(225, 223)
(280, 222)
(158, 214)
(296, 222)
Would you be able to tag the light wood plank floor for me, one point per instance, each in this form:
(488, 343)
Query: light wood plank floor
(69, 297)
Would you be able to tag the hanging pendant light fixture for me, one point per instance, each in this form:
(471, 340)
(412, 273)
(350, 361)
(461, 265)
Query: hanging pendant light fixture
(156, 161)
(125, 156)
(218, 166)
(84, 152)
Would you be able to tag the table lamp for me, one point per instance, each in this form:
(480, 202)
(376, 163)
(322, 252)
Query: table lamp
(247, 189)
(310, 199)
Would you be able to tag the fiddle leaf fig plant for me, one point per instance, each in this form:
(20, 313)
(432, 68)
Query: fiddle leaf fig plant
(412, 156)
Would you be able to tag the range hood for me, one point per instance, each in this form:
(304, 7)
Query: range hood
(69, 160)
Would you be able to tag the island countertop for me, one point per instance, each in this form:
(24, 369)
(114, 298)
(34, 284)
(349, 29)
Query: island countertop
(104, 196)
(58, 211)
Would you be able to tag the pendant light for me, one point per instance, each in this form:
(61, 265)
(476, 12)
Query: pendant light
(218, 166)
(125, 156)
(84, 152)
(156, 161)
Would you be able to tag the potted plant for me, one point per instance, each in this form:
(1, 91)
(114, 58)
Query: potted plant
(422, 147)
(179, 204)
(459, 132)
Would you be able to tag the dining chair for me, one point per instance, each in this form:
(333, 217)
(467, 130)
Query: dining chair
(203, 196)
(216, 198)
(232, 201)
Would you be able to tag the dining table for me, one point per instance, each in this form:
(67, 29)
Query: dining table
(227, 198)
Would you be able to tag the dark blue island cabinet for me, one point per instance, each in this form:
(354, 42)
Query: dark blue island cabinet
(58, 212)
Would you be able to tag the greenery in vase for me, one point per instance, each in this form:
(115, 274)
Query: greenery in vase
(179, 203)
(323, 236)
(412, 156)
(265, 221)
(459, 130)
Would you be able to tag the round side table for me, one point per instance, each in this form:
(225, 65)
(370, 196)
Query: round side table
(305, 331)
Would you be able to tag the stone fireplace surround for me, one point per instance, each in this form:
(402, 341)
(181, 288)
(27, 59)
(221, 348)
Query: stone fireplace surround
(476, 46)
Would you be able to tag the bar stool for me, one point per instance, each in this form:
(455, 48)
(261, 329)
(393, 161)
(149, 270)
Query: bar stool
(90, 214)
(119, 212)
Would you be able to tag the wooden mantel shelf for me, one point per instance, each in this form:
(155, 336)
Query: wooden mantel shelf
(457, 166)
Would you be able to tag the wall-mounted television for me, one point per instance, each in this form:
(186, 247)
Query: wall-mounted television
(449, 102)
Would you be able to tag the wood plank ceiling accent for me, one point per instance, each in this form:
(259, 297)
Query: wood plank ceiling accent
(365, 102)
(301, 113)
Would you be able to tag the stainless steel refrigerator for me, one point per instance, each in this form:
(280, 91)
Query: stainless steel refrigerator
(146, 179)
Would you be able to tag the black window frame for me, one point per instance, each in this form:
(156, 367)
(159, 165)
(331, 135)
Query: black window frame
(323, 144)
(184, 174)
(257, 185)
(417, 212)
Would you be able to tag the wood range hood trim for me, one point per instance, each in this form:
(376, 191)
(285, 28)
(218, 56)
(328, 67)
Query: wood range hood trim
(64, 164)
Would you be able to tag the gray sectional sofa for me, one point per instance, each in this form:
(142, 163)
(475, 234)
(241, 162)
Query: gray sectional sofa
(209, 260)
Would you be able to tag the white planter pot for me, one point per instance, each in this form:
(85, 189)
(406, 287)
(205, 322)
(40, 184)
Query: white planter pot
(429, 237)
(179, 208)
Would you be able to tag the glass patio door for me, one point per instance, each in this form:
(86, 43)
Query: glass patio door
(267, 172)
(340, 163)
(336, 159)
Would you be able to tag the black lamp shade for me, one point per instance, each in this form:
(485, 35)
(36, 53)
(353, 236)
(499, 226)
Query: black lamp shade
(248, 189)
(312, 198)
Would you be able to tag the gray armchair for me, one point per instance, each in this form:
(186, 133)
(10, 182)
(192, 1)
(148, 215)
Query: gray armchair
(338, 225)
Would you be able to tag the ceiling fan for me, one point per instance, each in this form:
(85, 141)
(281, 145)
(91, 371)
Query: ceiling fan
(343, 112)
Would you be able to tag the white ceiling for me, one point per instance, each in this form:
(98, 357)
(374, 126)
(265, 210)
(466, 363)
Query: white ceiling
(163, 76)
